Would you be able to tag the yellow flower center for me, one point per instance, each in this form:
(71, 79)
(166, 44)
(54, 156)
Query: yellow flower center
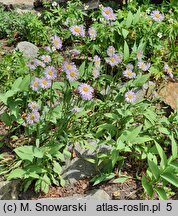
(35, 84)
(50, 72)
(44, 82)
(157, 15)
(77, 29)
(94, 72)
(68, 66)
(130, 96)
(46, 58)
(142, 66)
(72, 73)
(33, 106)
(107, 12)
(92, 32)
(129, 73)
(85, 88)
(56, 42)
(97, 62)
(32, 116)
(113, 59)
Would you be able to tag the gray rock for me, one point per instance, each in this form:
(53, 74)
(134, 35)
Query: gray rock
(9, 190)
(79, 167)
(23, 4)
(91, 195)
(147, 90)
(97, 195)
(28, 49)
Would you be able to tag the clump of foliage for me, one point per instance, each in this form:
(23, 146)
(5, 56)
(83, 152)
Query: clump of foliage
(24, 26)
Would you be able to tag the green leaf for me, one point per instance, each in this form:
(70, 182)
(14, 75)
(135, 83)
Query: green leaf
(126, 51)
(162, 154)
(111, 115)
(82, 69)
(24, 85)
(25, 152)
(125, 33)
(136, 17)
(147, 186)
(154, 169)
(129, 19)
(171, 178)
(58, 85)
(164, 130)
(17, 83)
(131, 134)
(17, 173)
(38, 153)
(121, 179)
(174, 147)
(57, 167)
(141, 140)
(5, 117)
(140, 80)
(161, 192)
(174, 164)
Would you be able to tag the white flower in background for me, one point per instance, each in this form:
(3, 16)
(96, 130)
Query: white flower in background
(171, 21)
(54, 4)
(148, 11)
(159, 34)
(53, 48)
(38, 14)
(86, 7)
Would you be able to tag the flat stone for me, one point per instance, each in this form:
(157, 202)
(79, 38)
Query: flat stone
(169, 94)
(79, 167)
(9, 190)
(96, 194)
(18, 3)
(28, 49)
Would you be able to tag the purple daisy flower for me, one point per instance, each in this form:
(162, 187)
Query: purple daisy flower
(130, 96)
(48, 49)
(129, 74)
(92, 33)
(33, 117)
(45, 83)
(157, 16)
(67, 66)
(168, 70)
(56, 41)
(95, 72)
(35, 84)
(76, 109)
(97, 61)
(46, 58)
(40, 63)
(110, 51)
(77, 30)
(115, 60)
(139, 55)
(85, 91)
(129, 67)
(33, 106)
(143, 66)
(108, 13)
(74, 52)
(50, 73)
(72, 75)
(32, 64)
